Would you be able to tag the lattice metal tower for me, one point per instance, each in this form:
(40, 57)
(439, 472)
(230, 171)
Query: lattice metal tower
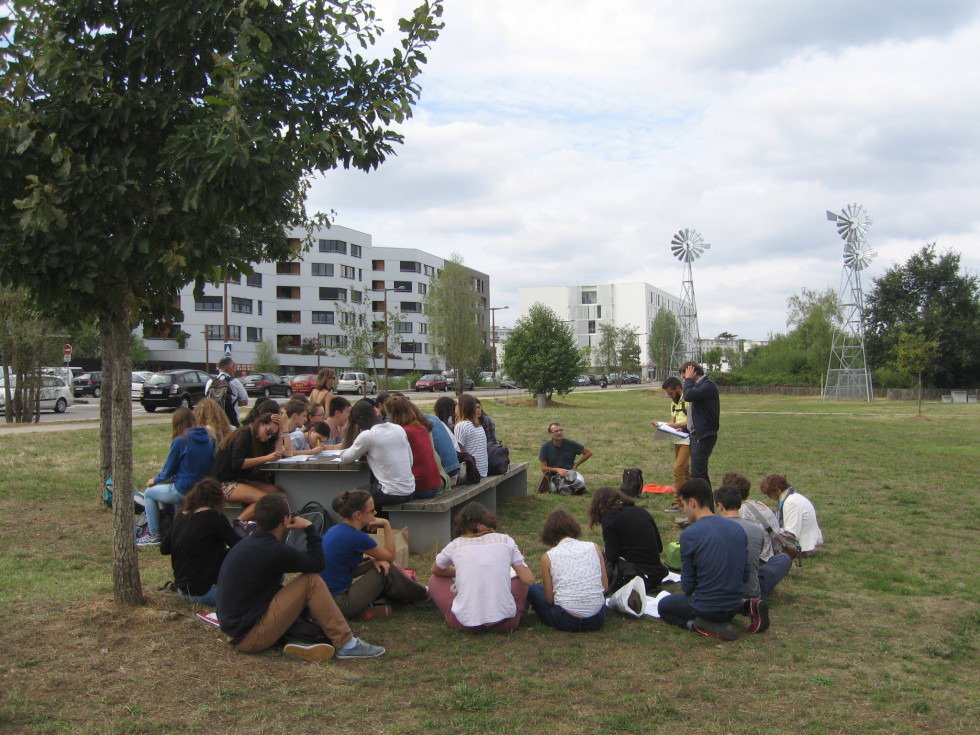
(687, 246)
(848, 376)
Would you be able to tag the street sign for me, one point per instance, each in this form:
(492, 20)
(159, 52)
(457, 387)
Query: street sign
(227, 349)
(67, 349)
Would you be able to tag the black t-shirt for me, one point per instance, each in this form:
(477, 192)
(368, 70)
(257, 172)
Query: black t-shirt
(197, 545)
(631, 533)
(228, 460)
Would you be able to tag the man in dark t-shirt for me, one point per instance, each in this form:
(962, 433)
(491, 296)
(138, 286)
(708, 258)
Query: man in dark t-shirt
(557, 458)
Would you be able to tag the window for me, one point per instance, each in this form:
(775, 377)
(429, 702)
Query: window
(405, 286)
(409, 348)
(423, 289)
(355, 250)
(289, 341)
(423, 328)
(287, 317)
(598, 312)
(217, 331)
(356, 296)
(322, 269)
(348, 271)
(410, 266)
(253, 334)
(592, 327)
(430, 270)
(403, 328)
(588, 297)
(260, 308)
(333, 340)
(287, 292)
(411, 306)
(323, 317)
(377, 285)
(208, 303)
(254, 280)
(333, 246)
(377, 265)
(241, 306)
(333, 294)
(287, 269)
(377, 306)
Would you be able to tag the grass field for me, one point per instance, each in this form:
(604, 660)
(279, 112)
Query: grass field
(879, 633)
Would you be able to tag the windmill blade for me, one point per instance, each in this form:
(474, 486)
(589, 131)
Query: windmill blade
(857, 256)
(852, 222)
(688, 245)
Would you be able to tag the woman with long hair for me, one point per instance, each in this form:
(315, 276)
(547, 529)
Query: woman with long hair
(212, 417)
(345, 546)
(469, 434)
(631, 538)
(198, 542)
(323, 391)
(238, 461)
(491, 576)
(445, 409)
(486, 422)
(571, 596)
(795, 513)
(189, 460)
(388, 452)
(425, 468)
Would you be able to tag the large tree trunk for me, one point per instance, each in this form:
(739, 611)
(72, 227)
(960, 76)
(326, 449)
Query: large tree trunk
(116, 369)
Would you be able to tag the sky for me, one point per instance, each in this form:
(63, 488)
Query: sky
(566, 142)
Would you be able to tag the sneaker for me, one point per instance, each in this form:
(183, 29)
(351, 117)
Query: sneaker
(682, 522)
(315, 652)
(360, 650)
(150, 539)
(758, 615)
(725, 631)
(673, 509)
(375, 612)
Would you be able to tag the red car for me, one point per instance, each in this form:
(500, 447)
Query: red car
(303, 383)
(431, 383)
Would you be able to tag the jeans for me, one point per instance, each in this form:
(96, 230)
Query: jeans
(700, 451)
(677, 610)
(557, 617)
(164, 492)
(772, 571)
(209, 598)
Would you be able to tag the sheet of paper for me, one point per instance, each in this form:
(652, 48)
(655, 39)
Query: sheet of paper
(672, 431)
(652, 602)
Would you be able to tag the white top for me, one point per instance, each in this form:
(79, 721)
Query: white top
(483, 566)
(389, 456)
(800, 517)
(576, 577)
(768, 516)
(473, 439)
(241, 395)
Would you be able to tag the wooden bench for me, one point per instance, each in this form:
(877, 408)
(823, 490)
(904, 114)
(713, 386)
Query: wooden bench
(429, 522)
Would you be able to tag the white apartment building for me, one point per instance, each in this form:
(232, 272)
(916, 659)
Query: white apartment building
(618, 304)
(301, 303)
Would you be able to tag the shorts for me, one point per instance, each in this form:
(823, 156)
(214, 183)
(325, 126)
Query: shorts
(227, 488)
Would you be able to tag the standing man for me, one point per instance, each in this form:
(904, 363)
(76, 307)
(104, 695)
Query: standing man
(682, 447)
(714, 569)
(228, 390)
(701, 392)
(557, 457)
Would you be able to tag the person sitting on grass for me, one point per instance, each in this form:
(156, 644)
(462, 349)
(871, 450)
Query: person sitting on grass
(795, 513)
(557, 457)
(754, 511)
(261, 439)
(571, 596)
(344, 548)
(198, 542)
(714, 568)
(631, 539)
(191, 454)
(486, 596)
(255, 609)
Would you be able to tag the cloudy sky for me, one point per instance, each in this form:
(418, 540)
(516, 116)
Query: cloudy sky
(566, 141)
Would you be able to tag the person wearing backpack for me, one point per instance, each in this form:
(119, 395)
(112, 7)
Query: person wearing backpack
(682, 446)
(227, 390)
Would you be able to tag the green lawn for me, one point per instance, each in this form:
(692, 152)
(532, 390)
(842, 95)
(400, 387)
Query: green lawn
(877, 634)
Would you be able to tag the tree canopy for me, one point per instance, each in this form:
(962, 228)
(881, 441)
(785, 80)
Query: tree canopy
(541, 353)
(456, 325)
(665, 333)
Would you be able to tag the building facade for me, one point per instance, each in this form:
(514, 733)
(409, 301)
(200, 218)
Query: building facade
(303, 303)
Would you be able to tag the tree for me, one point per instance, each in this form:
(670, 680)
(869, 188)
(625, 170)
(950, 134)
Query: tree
(266, 357)
(664, 334)
(628, 348)
(456, 318)
(147, 147)
(541, 353)
(712, 358)
(607, 351)
(915, 354)
(24, 346)
(364, 336)
(929, 295)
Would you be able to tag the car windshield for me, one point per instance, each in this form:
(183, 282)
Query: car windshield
(255, 377)
(160, 379)
(349, 376)
(430, 377)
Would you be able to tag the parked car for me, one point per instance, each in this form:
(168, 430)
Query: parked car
(87, 384)
(509, 383)
(355, 383)
(266, 384)
(631, 379)
(467, 383)
(304, 383)
(172, 388)
(583, 380)
(432, 383)
(136, 383)
(55, 394)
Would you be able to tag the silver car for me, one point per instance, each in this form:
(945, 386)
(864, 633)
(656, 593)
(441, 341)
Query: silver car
(358, 383)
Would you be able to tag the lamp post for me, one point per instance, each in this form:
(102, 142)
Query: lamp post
(493, 335)
(385, 307)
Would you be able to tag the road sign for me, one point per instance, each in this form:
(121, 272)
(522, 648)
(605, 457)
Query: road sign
(227, 349)
(67, 349)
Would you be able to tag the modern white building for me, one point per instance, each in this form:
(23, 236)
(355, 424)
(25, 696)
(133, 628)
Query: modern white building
(618, 304)
(302, 303)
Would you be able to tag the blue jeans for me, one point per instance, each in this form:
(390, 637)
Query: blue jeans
(771, 572)
(557, 617)
(677, 610)
(209, 598)
(165, 492)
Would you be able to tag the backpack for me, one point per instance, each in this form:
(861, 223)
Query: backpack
(221, 393)
(468, 472)
(632, 482)
(318, 516)
(783, 542)
(498, 458)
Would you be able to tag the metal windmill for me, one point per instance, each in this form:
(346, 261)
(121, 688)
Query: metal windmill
(687, 246)
(848, 375)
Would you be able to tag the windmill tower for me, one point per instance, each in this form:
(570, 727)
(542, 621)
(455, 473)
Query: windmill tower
(687, 246)
(848, 376)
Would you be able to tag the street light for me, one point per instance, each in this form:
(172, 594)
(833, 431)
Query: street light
(493, 335)
(400, 289)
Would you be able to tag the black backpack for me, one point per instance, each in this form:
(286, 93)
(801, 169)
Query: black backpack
(316, 514)
(498, 458)
(222, 393)
(632, 482)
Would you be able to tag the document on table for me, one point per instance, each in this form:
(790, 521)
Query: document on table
(297, 458)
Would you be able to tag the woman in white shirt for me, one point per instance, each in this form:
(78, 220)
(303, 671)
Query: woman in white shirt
(795, 513)
(486, 594)
(571, 596)
(469, 434)
(388, 455)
